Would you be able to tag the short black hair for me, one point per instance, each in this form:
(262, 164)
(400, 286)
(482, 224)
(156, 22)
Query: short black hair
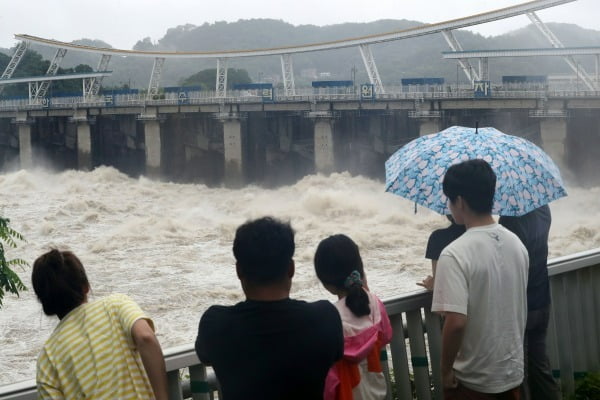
(263, 249)
(59, 281)
(473, 180)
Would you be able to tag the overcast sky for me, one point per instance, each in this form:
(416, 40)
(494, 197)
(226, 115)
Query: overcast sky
(121, 23)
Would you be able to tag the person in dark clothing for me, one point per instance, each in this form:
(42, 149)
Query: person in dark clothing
(439, 239)
(269, 346)
(533, 229)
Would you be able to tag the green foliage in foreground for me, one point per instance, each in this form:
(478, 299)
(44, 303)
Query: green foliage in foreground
(588, 388)
(9, 280)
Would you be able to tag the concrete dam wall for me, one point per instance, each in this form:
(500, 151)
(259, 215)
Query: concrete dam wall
(270, 148)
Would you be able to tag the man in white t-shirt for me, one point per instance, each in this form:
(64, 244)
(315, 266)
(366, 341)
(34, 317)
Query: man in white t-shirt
(481, 289)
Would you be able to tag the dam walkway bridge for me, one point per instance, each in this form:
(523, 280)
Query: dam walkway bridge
(305, 95)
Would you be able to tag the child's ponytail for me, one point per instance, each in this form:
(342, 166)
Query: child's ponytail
(357, 299)
(338, 264)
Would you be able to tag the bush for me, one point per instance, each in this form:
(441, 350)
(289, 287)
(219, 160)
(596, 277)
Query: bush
(588, 388)
(9, 280)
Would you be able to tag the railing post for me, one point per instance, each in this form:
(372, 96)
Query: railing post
(595, 299)
(385, 366)
(418, 354)
(174, 385)
(199, 383)
(575, 314)
(563, 333)
(589, 319)
(434, 343)
(399, 358)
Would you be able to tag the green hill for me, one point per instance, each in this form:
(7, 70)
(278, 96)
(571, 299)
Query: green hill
(395, 60)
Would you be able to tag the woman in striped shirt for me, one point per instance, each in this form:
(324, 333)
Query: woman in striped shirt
(103, 349)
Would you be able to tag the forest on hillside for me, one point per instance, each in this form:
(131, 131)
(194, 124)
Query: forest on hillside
(33, 64)
(409, 58)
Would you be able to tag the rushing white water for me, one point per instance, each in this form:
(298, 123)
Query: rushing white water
(168, 245)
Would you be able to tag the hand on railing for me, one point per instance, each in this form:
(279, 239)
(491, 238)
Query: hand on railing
(427, 283)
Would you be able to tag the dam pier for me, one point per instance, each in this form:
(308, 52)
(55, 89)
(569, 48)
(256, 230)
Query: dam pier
(248, 141)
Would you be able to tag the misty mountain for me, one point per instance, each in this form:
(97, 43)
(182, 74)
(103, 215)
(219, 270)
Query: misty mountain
(408, 58)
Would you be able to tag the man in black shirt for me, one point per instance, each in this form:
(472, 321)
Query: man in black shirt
(269, 346)
(438, 240)
(533, 229)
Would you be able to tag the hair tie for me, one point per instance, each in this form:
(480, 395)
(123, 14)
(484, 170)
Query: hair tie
(353, 279)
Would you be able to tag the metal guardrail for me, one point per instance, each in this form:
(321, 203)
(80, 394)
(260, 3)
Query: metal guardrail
(425, 114)
(239, 97)
(548, 113)
(415, 350)
(574, 328)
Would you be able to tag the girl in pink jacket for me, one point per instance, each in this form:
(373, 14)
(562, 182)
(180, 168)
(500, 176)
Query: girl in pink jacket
(358, 375)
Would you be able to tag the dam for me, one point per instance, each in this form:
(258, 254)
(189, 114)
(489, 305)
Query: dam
(101, 204)
(245, 140)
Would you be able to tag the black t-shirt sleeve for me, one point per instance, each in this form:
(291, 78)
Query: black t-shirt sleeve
(441, 238)
(434, 246)
(335, 331)
(203, 343)
(327, 330)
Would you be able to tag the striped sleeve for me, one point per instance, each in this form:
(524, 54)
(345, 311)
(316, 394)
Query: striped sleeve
(47, 379)
(127, 312)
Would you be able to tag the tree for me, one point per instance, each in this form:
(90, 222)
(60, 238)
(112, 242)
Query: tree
(9, 280)
(71, 86)
(207, 78)
(144, 45)
(33, 64)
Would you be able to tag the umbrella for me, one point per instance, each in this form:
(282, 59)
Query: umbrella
(527, 178)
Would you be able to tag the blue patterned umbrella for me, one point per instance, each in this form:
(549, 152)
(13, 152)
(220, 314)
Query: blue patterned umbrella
(527, 178)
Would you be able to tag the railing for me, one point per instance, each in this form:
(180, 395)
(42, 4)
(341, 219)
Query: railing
(549, 113)
(574, 329)
(303, 95)
(415, 350)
